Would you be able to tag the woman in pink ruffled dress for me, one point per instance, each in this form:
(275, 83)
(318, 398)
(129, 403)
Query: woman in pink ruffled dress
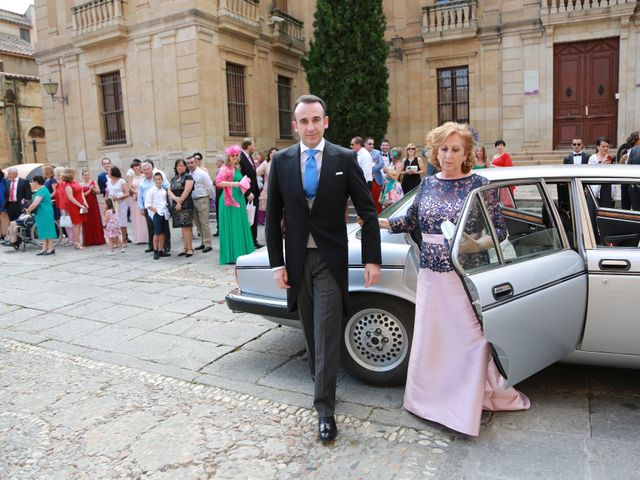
(451, 376)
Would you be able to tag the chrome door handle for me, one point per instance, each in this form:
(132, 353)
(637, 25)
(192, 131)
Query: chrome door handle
(504, 290)
(586, 110)
(614, 264)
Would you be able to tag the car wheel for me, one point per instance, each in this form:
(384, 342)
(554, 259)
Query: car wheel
(377, 339)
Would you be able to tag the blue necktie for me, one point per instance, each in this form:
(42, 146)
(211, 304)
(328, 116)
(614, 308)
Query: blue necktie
(311, 175)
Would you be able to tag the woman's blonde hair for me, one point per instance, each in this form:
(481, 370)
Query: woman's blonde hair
(68, 175)
(438, 135)
(48, 170)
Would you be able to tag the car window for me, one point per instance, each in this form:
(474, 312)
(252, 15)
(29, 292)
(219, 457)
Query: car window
(514, 233)
(614, 210)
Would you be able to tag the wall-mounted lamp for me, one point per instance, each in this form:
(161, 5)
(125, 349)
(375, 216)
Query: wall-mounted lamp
(275, 19)
(396, 46)
(51, 88)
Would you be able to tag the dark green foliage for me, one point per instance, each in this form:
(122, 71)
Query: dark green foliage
(345, 66)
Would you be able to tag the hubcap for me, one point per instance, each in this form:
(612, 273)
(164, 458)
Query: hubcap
(376, 339)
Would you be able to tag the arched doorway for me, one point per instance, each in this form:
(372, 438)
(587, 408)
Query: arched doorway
(35, 148)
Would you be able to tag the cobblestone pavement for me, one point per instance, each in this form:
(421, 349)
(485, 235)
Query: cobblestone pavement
(124, 367)
(69, 417)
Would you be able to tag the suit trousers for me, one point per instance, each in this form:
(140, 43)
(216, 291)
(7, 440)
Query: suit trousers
(201, 218)
(320, 309)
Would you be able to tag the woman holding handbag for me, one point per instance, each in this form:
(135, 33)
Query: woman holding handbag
(235, 231)
(76, 204)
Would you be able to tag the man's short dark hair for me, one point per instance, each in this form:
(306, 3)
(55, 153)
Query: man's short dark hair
(309, 99)
(246, 142)
(150, 162)
(358, 141)
(198, 154)
(366, 139)
(383, 140)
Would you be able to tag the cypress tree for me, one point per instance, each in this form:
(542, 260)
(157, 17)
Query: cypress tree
(345, 66)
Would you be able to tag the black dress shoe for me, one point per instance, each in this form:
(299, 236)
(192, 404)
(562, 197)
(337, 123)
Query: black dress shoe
(41, 252)
(201, 247)
(258, 245)
(327, 430)
(165, 254)
(52, 252)
(148, 250)
(156, 255)
(206, 249)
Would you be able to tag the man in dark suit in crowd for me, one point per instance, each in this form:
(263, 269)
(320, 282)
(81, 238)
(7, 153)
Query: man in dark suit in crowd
(17, 190)
(103, 176)
(248, 168)
(577, 156)
(309, 184)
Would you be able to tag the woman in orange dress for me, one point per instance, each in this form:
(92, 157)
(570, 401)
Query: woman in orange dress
(92, 232)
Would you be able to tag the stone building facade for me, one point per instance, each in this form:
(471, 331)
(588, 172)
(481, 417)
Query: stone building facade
(533, 72)
(161, 79)
(22, 134)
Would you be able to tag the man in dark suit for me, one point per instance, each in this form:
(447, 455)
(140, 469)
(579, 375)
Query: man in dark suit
(17, 190)
(248, 168)
(309, 184)
(103, 176)
(577, 156)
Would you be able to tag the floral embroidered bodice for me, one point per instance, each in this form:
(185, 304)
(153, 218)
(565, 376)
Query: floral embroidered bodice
(438, 200)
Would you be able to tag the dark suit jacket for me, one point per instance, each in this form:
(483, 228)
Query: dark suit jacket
(248, 169)
(23, 190)
(102, 182)
(569, 158)
(340, 178)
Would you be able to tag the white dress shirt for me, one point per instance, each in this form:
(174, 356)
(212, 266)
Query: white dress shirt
(203, 185)
(577, 158)
(157, 198)
(366, 164)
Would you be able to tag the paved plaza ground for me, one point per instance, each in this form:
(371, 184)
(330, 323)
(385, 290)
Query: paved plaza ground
(125, 367)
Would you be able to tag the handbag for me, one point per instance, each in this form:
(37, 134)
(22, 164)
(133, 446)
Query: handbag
(83, 210)
(251, 212)
(65, 221)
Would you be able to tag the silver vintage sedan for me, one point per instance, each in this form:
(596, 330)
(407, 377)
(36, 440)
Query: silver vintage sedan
(564, 284)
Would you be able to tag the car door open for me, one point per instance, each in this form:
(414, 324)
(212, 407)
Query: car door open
(529, 289)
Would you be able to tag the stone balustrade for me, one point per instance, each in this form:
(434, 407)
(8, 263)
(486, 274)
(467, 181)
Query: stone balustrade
(243, 10)
(447, 16)
(287, 29)
(96, 15)
(561, 6)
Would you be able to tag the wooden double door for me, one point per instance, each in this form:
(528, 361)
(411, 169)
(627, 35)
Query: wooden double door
(585, 87)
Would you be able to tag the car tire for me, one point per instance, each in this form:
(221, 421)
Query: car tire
(377, 339)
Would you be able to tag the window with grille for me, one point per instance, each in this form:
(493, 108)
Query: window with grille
(236, 104)
(284, 107)
(112, 112)
(453, 95)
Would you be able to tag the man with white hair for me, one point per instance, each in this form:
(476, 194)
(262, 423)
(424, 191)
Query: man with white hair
(17, 190)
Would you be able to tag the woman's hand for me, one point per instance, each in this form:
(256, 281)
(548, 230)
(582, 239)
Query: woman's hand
(469, 245)
(384, 223)
(178, 206)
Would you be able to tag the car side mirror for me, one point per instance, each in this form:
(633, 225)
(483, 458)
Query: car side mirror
(448, 229)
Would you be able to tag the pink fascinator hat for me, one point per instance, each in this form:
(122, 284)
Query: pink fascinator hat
(233, 150)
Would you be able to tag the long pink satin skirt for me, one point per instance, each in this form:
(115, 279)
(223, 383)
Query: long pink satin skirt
(451, 375)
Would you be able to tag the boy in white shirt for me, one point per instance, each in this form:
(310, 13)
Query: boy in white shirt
(156, 204)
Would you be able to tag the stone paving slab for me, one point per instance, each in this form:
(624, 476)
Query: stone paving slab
(95, 420)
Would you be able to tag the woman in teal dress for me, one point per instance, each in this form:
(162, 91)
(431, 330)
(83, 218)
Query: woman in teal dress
(233, 221)
(45, 224)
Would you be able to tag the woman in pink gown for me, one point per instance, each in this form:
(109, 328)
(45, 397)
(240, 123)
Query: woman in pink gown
(451, 375)
(138, 223)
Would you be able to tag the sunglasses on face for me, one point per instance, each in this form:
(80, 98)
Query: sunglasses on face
(576, 144)
(410, 148)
